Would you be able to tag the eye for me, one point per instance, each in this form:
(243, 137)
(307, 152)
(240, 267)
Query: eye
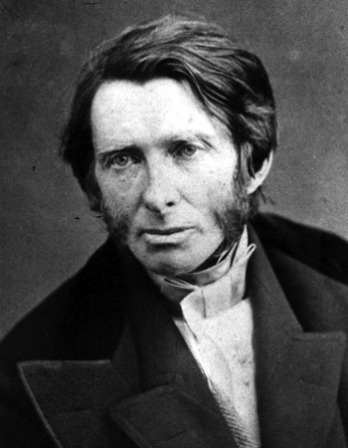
(185, 150)
(121, 161)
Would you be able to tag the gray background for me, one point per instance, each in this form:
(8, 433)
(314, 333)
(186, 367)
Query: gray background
(47, 231)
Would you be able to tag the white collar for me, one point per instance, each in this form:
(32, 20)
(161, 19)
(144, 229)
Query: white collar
(214, 289)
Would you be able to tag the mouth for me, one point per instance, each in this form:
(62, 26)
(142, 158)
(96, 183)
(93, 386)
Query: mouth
(172, 235)
(169, 231)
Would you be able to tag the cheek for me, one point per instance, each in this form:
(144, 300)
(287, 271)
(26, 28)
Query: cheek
(215, 188)
(110, 187)
(218, 173)
(119, 198)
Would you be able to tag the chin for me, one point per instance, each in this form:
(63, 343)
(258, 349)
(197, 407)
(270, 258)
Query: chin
(167, 267)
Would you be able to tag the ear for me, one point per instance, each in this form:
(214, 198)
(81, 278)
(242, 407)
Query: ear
(258, 178)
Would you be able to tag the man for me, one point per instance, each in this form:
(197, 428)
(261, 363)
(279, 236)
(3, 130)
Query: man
(200, 322)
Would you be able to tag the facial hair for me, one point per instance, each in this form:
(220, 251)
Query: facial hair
(117, 224)
(231, 218)
(234, 215)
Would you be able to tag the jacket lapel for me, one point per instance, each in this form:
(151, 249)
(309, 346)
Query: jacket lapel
(72, 399)
(297, 373)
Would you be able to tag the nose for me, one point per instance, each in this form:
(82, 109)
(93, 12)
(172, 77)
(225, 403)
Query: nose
(160, 193)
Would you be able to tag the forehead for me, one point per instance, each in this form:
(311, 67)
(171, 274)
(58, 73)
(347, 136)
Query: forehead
(127, 110)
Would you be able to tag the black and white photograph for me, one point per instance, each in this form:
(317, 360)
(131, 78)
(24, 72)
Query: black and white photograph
(174, 224)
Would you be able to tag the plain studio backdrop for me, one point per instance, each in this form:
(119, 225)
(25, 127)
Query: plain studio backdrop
(47, 231)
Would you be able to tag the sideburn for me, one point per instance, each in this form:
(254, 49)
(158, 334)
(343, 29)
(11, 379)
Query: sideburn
(235, 215)
(116, 225)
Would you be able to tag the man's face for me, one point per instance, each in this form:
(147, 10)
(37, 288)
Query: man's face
(165, 170)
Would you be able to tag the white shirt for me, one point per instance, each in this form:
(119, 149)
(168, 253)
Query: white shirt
(217, 326)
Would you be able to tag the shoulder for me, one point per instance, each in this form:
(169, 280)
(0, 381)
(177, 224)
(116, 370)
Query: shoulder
(318, 249)
(311, 266)
(63, 324)
(81, 320)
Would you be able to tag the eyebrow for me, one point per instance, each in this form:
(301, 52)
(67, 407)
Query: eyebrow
(189, 137)
(168, 141)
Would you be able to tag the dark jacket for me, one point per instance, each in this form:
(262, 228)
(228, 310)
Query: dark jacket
(100, 363)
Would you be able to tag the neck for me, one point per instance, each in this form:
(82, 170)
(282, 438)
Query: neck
(231, 263)
(212, 259)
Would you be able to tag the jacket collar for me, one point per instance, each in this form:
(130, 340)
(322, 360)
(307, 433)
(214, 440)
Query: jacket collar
(158, 395)
(298, 373)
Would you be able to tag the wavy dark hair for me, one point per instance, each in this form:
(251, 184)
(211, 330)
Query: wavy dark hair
(230, 82)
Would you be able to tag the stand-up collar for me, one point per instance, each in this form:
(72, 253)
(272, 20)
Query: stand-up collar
(215, 289)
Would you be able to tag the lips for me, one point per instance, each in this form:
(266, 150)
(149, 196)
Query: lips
(169, 231)
(172, 235)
